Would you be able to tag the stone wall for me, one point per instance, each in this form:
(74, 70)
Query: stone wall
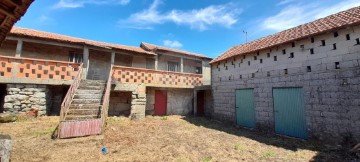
(120, 103)
(330, 79)
(22, 98)
(179, 101)
(138, 98)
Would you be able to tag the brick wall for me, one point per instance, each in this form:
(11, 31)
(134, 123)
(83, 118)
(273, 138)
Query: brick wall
(332, 97)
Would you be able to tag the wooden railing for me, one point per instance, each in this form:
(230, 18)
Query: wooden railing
(70, 95)
(149, 76)
(106, 99)
(20, 67)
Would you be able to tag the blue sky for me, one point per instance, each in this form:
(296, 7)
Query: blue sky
(208, 27)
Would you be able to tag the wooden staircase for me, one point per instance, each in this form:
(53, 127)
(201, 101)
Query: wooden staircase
(85, 107)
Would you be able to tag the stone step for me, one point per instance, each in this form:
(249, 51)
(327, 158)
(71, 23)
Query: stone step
(88, 96)
(85, 87)
(92, 82)
(85, 106)
(86, 112)
(81, 117)
(86, 101)
(85, 91)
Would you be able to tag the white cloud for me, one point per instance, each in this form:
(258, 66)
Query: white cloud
(294, 15)
(200, 19)
(172, 44)
(284, 2)
(82, 3)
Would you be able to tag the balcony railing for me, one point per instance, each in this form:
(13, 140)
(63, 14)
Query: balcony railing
(155, 77)
(37, 68)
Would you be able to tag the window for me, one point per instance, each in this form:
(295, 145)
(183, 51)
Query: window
(240, 76)
(268, 73)
(312, 39)
(308, 68)
(75, 57)
(357, 41)
(337, 65)
(347, 36)
(261, 61)
(258, 53)
(334, 46)
(268, 54)
(198, 70)
(241, 61)
(293, 44)
(255, 58)
(252, 75)
(275, 58)
(244, 57)
(249, 63)
(284, 51)
(173, 66)
(311, 50)
(285, 71)
(323, 43)
(292, 55)
(336, 34)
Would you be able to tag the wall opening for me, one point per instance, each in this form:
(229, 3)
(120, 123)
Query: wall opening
(2, 96)
(120, 103)
(56, 95)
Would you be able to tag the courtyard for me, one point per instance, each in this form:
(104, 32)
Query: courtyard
(169, 138)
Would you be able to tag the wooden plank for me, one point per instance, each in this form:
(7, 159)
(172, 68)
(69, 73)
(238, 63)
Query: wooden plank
(82, 128)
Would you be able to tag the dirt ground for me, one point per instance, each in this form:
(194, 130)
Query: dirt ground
(171, 138)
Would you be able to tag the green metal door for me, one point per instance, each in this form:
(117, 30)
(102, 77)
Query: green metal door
(289, 112)
(245, 112)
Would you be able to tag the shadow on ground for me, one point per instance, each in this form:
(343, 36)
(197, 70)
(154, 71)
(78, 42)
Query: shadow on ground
(325, 152)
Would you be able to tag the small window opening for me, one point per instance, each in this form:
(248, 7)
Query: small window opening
(292, 55)
(337, 65)
(334, 46)
(336, 34)
(285, 71)
(240, 76)
(323, 43)
(357, 41)
(249, 63)
(293, 44)
(255, 58)
(268, 54)
(258, 53)
(308, 68)
(312, 39)
(261, 61)
(275, 58)
(241, 61)
(284, 51)
(230, 77)
(347, 36)
(268, 73)
(312, 51)
(226, 68)
(252, 75)
(244, 57)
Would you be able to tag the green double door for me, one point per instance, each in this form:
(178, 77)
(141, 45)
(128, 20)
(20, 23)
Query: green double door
(289, 112)
(245, 109)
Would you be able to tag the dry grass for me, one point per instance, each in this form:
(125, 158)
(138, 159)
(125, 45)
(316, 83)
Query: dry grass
(172, 138)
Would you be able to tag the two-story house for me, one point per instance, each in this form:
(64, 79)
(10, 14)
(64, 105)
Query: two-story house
(85, 81)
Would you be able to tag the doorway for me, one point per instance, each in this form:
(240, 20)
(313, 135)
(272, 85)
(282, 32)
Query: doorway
(2, 97)
(160, 102)
(200, 102)
(245, 109)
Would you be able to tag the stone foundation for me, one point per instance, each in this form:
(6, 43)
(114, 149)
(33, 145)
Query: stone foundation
(23, 98)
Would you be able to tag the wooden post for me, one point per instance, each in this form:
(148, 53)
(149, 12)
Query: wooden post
(85, 61)
(112, 58)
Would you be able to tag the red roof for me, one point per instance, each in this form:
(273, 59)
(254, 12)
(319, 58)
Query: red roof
(152, 47)
(16, 31)
(332, 22)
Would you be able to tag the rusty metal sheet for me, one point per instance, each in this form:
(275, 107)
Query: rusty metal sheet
(80, 128)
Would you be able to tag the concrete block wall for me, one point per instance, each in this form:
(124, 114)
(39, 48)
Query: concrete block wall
(332, 97)
(138, 98)
(120, 103)
(179, 101)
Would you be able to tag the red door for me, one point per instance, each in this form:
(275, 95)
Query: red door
(160, 103)
(200, 102)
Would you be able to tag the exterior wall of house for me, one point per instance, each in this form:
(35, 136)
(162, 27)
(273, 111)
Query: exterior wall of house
(99, 65)
(179, 101)
(123, 60)
(8, 48)
(120, 103)
(139, 62)
(163, 62)
(47, 52)
(331, 96)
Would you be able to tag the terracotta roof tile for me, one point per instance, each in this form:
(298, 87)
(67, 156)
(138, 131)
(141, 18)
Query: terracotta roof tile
(152, 47)
(332, 22)
(16, 31)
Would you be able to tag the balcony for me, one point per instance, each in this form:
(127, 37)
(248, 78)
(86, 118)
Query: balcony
(30, 69)
(156, 78)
